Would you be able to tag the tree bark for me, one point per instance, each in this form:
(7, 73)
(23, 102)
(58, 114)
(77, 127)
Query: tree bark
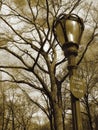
(51, 123)
(88, 112)
(56, 100)
(58, 120)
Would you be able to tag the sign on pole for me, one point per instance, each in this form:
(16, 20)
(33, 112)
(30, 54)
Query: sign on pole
(77, 86)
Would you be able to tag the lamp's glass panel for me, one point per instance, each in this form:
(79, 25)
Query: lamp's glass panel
(73, 31)
(60, 34)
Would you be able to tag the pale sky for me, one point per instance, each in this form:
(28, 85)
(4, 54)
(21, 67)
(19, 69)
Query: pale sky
(94, 1)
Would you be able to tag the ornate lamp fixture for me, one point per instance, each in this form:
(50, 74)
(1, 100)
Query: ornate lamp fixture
(68, 31)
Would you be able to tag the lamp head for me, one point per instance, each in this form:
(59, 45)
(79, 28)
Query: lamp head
(68, 29)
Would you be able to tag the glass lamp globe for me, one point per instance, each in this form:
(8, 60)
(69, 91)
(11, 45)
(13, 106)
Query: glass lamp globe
(68, 29)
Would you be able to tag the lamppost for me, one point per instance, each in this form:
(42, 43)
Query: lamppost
(68, 31)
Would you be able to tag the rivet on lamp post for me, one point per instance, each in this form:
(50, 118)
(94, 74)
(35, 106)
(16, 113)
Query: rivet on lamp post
(68, 31)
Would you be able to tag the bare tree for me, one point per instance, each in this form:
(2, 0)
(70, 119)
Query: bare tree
(17, 111)
(28, 34)
(88, 70)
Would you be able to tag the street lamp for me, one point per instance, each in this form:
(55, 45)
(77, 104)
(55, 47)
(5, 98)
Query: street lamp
(68, 31)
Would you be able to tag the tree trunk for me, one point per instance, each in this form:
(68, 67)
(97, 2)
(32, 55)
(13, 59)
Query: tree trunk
(90, 119)
(89, 114)
(3, 111)
(56, 99)
(51, 123)
(96, 122)
(7, 121)
(13, 120)
(58, 120)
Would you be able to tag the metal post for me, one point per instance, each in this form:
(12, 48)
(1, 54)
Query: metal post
(76, 114)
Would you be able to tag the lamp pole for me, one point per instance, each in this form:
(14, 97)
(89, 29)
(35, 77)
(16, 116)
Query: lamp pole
(75, 104)
(68, 31)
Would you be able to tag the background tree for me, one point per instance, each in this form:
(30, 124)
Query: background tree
(16, 110)
(89, 72)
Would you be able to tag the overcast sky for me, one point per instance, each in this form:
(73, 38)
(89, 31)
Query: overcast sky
(94, 1)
